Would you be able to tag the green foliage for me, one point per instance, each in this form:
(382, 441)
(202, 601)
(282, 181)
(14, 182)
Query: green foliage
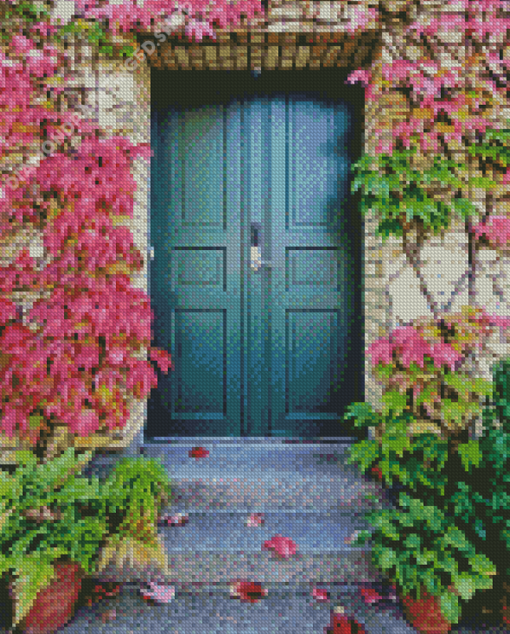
(29, 11)
(452, 525)
(501, 372)
(398, 455)
(28, 547)
(394, 401)
(436, 536)
(419, 545)
(396, 191)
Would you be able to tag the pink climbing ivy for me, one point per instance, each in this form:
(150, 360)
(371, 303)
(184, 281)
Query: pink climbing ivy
(420, 365)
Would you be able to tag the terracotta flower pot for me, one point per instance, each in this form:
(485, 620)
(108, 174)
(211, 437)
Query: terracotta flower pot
(425, 614)
(54, 606)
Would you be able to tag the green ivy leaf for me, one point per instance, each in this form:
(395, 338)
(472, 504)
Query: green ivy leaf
(413, 541)
(363, 414)
(450, 607)
(465, 386)
(394, 402)
(389, 226)
(432, 583)
(386, 527)
(464, 207)
(463, 583)
(482, 582)
(482, 564)
(469, 453)
(387, 559)
(384, 370)
(364, 453)
(480, 181)
(456, 538)
(424, 557)
(127, 51)
(454, 411)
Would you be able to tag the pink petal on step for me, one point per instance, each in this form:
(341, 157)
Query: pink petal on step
(370, 596)
(161, 593)
(247, 591)
(255, 519)
(283, 546)
(320, 594)
(179, 519)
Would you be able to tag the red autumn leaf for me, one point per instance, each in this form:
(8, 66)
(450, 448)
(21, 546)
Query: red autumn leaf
(378, 473)
(247, 591)
(342, 624)
(283, 546)
(320, 594)
(198, 452)
(370, 596)
(55, 604)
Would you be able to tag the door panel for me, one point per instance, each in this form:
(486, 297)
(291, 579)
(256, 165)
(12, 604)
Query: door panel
(195, 276)
(265, 352)
(309, 296)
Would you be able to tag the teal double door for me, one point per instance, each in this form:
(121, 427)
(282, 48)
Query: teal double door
(254, 273)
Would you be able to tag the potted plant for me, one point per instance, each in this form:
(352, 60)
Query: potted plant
(466, 485)
(418, 544)
(58, 527)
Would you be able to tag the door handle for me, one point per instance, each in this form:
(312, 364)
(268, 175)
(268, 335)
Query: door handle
(256, 261)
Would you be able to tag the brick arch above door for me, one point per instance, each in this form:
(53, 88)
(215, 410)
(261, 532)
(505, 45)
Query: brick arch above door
(244, 49)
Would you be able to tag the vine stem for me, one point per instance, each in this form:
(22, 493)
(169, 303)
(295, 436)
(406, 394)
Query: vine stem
(414, 259)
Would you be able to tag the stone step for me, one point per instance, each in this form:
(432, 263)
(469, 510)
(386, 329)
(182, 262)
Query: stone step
(287, 609)
(260, 477)
(218, 547)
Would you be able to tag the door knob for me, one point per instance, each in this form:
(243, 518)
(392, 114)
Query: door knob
(256, 261)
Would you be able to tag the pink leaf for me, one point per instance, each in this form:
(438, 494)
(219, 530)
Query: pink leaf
(370, 596)
(161, 593)
(363, 76)
(179, 519)
(320, 594)
(283, 546)
(255, 519)
(162, 358)
(381, 351)
(7, 310)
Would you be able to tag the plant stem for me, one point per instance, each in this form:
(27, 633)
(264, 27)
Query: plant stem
(414, 259)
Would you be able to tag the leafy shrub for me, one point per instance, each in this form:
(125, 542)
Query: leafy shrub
(48, 511)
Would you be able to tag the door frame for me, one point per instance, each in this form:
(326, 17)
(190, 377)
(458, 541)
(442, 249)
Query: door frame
(354, 95)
